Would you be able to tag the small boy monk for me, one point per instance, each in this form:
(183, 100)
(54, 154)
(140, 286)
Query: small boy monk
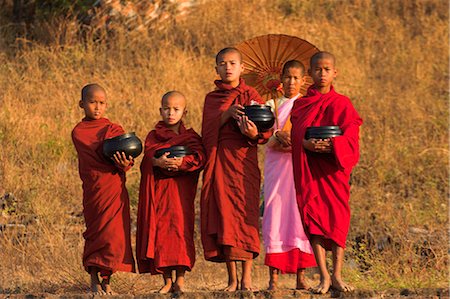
(166, 215)
(286, 245)
(231, 180)
(322, 168)
(106, 206)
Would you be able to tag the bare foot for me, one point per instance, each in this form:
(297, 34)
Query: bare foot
(178, 285)
(96, 287)
(106, 287)
(232, 287)
(166, 288)
(302, 284)
(273, 278)
(323, 287)
(247, 286)
(272, 285)
(96, 290)
(340, 285)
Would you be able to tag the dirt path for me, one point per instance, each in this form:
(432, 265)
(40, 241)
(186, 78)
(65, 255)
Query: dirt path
(392, 293)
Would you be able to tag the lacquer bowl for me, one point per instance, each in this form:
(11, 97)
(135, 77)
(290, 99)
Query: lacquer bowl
(261, 115)
(174, 151)
(128, 143)
(322, 132)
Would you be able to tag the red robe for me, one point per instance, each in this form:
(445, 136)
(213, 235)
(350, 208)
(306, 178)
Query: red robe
(231, 180)
(166, 215)
(322, 180)
(106, 206)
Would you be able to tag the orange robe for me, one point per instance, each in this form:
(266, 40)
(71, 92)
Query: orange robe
(106, 206)
(166, 215)
(231, 180)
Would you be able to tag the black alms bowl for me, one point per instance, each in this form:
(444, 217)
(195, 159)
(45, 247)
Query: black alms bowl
(174, 151)
(322, 132)
(261, 115)
(128, 143)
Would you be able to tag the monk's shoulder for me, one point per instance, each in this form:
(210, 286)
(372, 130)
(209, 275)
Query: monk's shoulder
(341, 101)
(150, 135)
(192, 132)
(253, 94)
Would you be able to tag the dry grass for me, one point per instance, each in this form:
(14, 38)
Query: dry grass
(393, 63)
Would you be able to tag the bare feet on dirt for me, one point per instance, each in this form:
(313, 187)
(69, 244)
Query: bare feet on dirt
(302, 283)
(106, 287)
(166, 288)
(323, 287)
(96, 287)
(338, 284)
(231, 287)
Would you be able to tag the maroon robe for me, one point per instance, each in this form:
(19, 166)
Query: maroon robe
(106, 206)
(322, 180)
(231, 180)
(166, 215)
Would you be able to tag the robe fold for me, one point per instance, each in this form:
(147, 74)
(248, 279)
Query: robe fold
(286, 245)
(166, 215)
(231, 180)
(106, 205)
(322, 180)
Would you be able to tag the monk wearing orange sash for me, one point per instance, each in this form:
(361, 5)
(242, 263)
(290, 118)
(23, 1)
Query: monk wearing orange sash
(166, 215)
(106, 206)
(231, 180)
(322, 168)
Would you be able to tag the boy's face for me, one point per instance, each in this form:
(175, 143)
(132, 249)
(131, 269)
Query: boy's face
(173, 109)
(95, 106)
(229, 68)
(323, 72)
(292, 79)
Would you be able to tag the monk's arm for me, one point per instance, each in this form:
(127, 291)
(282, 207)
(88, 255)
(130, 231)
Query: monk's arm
(197, 160)
(346, 147)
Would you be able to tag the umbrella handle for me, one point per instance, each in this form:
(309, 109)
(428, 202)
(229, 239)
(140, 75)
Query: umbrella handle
(274, 96)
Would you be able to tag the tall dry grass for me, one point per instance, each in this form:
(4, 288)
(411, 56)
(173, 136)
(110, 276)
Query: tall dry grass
(393, 64)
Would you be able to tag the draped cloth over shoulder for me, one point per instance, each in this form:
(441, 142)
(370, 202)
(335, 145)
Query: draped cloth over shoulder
(166, 215)
(231, 180)
(106, 206)
(286, 244)
(322, 180)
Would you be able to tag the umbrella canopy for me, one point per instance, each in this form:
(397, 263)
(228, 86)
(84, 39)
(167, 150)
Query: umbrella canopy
(264, 56)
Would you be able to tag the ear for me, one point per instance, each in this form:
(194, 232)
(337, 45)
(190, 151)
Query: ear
(185, 112)
(217, 71)
(161, 111)
(335, 73)
(309, 72)
(304, 79)
(242, 67)
(81, 104)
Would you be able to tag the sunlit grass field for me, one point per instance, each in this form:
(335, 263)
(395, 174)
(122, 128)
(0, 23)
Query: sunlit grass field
(392, 58)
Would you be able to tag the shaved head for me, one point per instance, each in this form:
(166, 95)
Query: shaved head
(293, 64)
(322, 55)
(226, 51)
(88, 90)
(172, 94)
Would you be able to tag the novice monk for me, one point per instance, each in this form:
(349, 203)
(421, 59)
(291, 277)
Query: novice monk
(105, 198)
(287, 247)
(231, 181)
(322, 168)
(165, 224)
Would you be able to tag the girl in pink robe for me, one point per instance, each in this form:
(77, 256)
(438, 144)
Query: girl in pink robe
(287, 247)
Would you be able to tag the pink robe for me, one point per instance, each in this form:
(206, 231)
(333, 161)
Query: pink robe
(282, 225)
